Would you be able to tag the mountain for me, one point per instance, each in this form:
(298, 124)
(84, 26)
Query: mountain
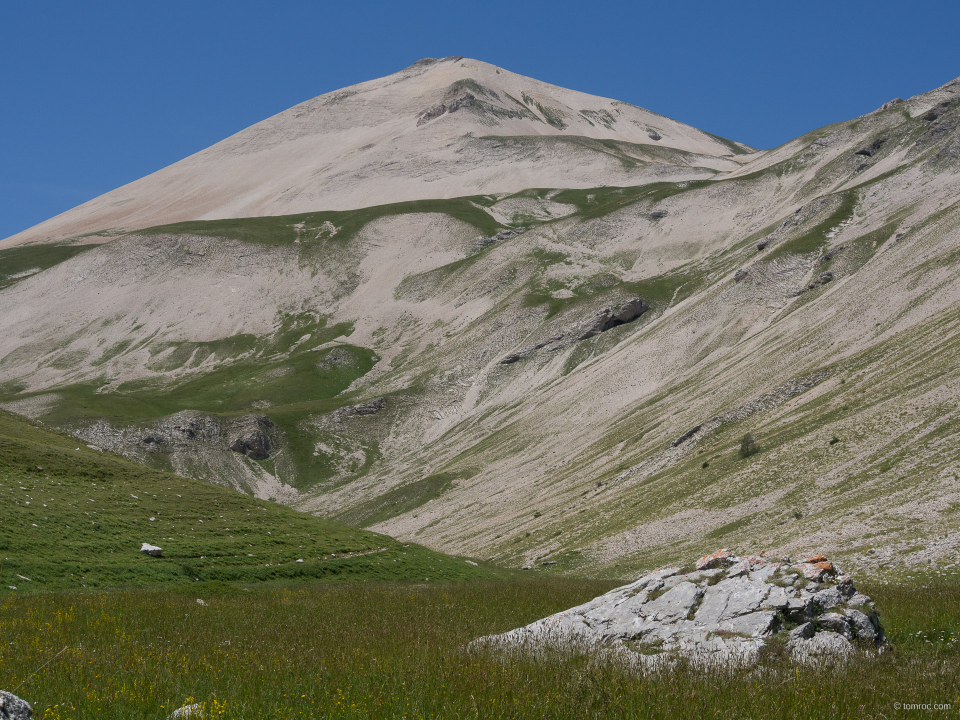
(438, 129)
(607, 377)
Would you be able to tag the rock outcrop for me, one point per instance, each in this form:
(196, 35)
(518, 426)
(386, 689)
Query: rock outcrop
(871, 149)
(371, 407)
(823, 279)
(726, 610)
(455, 98)
(14, 708)
(483, 241)
(605, 319)
(612, 317)
(251, 436)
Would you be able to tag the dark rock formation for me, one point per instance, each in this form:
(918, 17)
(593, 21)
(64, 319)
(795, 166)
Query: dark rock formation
(827, 257)
(606, 319)
(740, 275)
(612, 317)
(371, 407)
(871, 149)
(686, 436)
(483, 242)
(657, 215)
(527, 352)
(454, 99)
(180, 430)
(825, 277)
(936, 111)
(250, 436)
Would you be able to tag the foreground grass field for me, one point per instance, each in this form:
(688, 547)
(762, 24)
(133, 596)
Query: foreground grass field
(397, 651)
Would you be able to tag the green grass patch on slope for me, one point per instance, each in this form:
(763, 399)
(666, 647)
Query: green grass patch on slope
(71, 517)
(310, 227)
(734, 147)
(401, 500)
(816, 238)
(657, 291)
(597, 202)
(24, 259)
(235, 388)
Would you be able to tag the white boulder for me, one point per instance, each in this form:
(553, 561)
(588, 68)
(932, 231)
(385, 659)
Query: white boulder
(151, 550)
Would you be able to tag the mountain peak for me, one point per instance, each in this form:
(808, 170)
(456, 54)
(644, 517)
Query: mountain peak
(439, 128)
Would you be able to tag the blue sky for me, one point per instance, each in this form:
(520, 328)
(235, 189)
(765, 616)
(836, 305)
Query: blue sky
(97, 94)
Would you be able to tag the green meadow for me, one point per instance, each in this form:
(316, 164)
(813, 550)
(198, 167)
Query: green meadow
(399, 650)
(257, 611)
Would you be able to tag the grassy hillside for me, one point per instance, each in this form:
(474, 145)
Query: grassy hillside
(72, 517)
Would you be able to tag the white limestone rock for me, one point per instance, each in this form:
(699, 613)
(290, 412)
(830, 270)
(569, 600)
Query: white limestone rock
(722, 614)
(151, 550)
(14, 708)
(187, 711)
(823, 646)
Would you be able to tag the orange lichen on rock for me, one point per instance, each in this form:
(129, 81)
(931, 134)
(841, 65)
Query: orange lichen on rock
(817, 570)
(720, 557)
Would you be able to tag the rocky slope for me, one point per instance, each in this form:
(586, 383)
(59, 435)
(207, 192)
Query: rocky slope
(553, 375)
(437, 129)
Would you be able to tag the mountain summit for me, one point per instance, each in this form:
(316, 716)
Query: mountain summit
(437, 129)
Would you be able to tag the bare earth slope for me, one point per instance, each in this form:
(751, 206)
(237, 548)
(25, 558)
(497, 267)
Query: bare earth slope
(438, 129)
(550, 375)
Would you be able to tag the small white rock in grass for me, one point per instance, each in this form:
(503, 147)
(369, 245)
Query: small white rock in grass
(200, 602)
(300, 560)
(195, 710)
(151, 550)
(470, 562)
